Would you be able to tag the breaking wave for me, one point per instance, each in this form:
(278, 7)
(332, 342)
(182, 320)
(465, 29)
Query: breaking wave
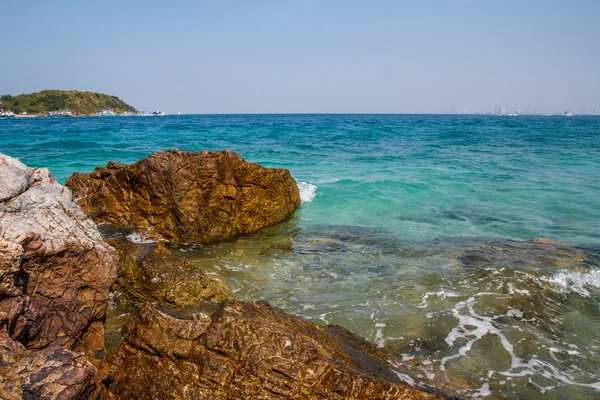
(308, 191)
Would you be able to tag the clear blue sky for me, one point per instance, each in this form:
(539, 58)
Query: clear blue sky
(227, 56)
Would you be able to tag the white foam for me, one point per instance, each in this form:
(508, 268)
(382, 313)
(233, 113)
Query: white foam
(308, 191)
(483, 391)
(139, 238)
(512, 312)
(578, 282)
(442, 294)
(401, 376)
(473, 327)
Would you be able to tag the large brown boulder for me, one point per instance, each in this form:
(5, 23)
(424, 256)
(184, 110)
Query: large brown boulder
(247, 351)
(150, 272)
(188, 196)
(55, 271)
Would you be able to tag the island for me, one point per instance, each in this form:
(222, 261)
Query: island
(66, 102)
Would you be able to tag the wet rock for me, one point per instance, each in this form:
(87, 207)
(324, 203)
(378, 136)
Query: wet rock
(50, 373)
(55, 269)
(188, 196)
(150, 272)
(539, 254)
(247, 350)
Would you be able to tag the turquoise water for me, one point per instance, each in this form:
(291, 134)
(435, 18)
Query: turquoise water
(410, 233)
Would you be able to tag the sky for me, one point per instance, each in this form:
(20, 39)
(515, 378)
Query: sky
(309, 56)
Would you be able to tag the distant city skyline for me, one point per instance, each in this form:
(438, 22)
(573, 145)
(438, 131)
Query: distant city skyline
(305, 56)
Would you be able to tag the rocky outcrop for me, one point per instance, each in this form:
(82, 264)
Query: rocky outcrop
(149, 272)
(251, 351)
(50, 373)
(540, 254)
(55, 275)
(56, 269)
(187, 196)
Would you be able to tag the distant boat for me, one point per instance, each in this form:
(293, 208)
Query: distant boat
(105, 113)
(158, 113)
(7, 114)
(568, 113)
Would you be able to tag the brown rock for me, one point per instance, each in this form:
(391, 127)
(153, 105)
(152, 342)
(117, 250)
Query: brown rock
(55, 274)
(55, 269)
(187, 196)
(247, 351)
(51, 373)
(152, 273)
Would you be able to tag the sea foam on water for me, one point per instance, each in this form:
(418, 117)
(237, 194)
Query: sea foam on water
(308, 191)
(578, 282)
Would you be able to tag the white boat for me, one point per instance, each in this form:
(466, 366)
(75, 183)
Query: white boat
(158, 113)
(105, 113)
(568, 113)
(7, 114)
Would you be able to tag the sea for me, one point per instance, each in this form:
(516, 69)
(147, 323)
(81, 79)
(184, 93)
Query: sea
(420, 233)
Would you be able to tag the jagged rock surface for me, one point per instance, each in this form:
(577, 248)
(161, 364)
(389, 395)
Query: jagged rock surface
(150, 272)
(50, 373)
(56, 269)
(55, 275)
(247, 351)
(188, 196)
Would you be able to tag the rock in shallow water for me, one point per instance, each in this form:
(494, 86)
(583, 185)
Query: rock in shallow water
(247, 350)
(540, 254)
(188, 196)
(150, 272)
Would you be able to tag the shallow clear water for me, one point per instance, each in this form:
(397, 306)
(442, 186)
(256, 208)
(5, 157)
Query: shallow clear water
(409, 234)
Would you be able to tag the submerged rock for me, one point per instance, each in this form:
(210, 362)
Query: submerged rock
(540, 254)
(55, 275)
(150, 272)
(247, 350)
(188, 196)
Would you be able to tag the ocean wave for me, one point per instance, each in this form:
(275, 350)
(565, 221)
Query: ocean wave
(308, 191)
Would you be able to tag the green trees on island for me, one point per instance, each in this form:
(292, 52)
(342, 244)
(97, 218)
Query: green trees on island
(56, 100)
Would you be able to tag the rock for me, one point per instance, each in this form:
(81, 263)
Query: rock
(55, 274)
(539, 254)
(152, 273)
(55, 269)
(188, 196)
(247, 350)
(50, 373)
